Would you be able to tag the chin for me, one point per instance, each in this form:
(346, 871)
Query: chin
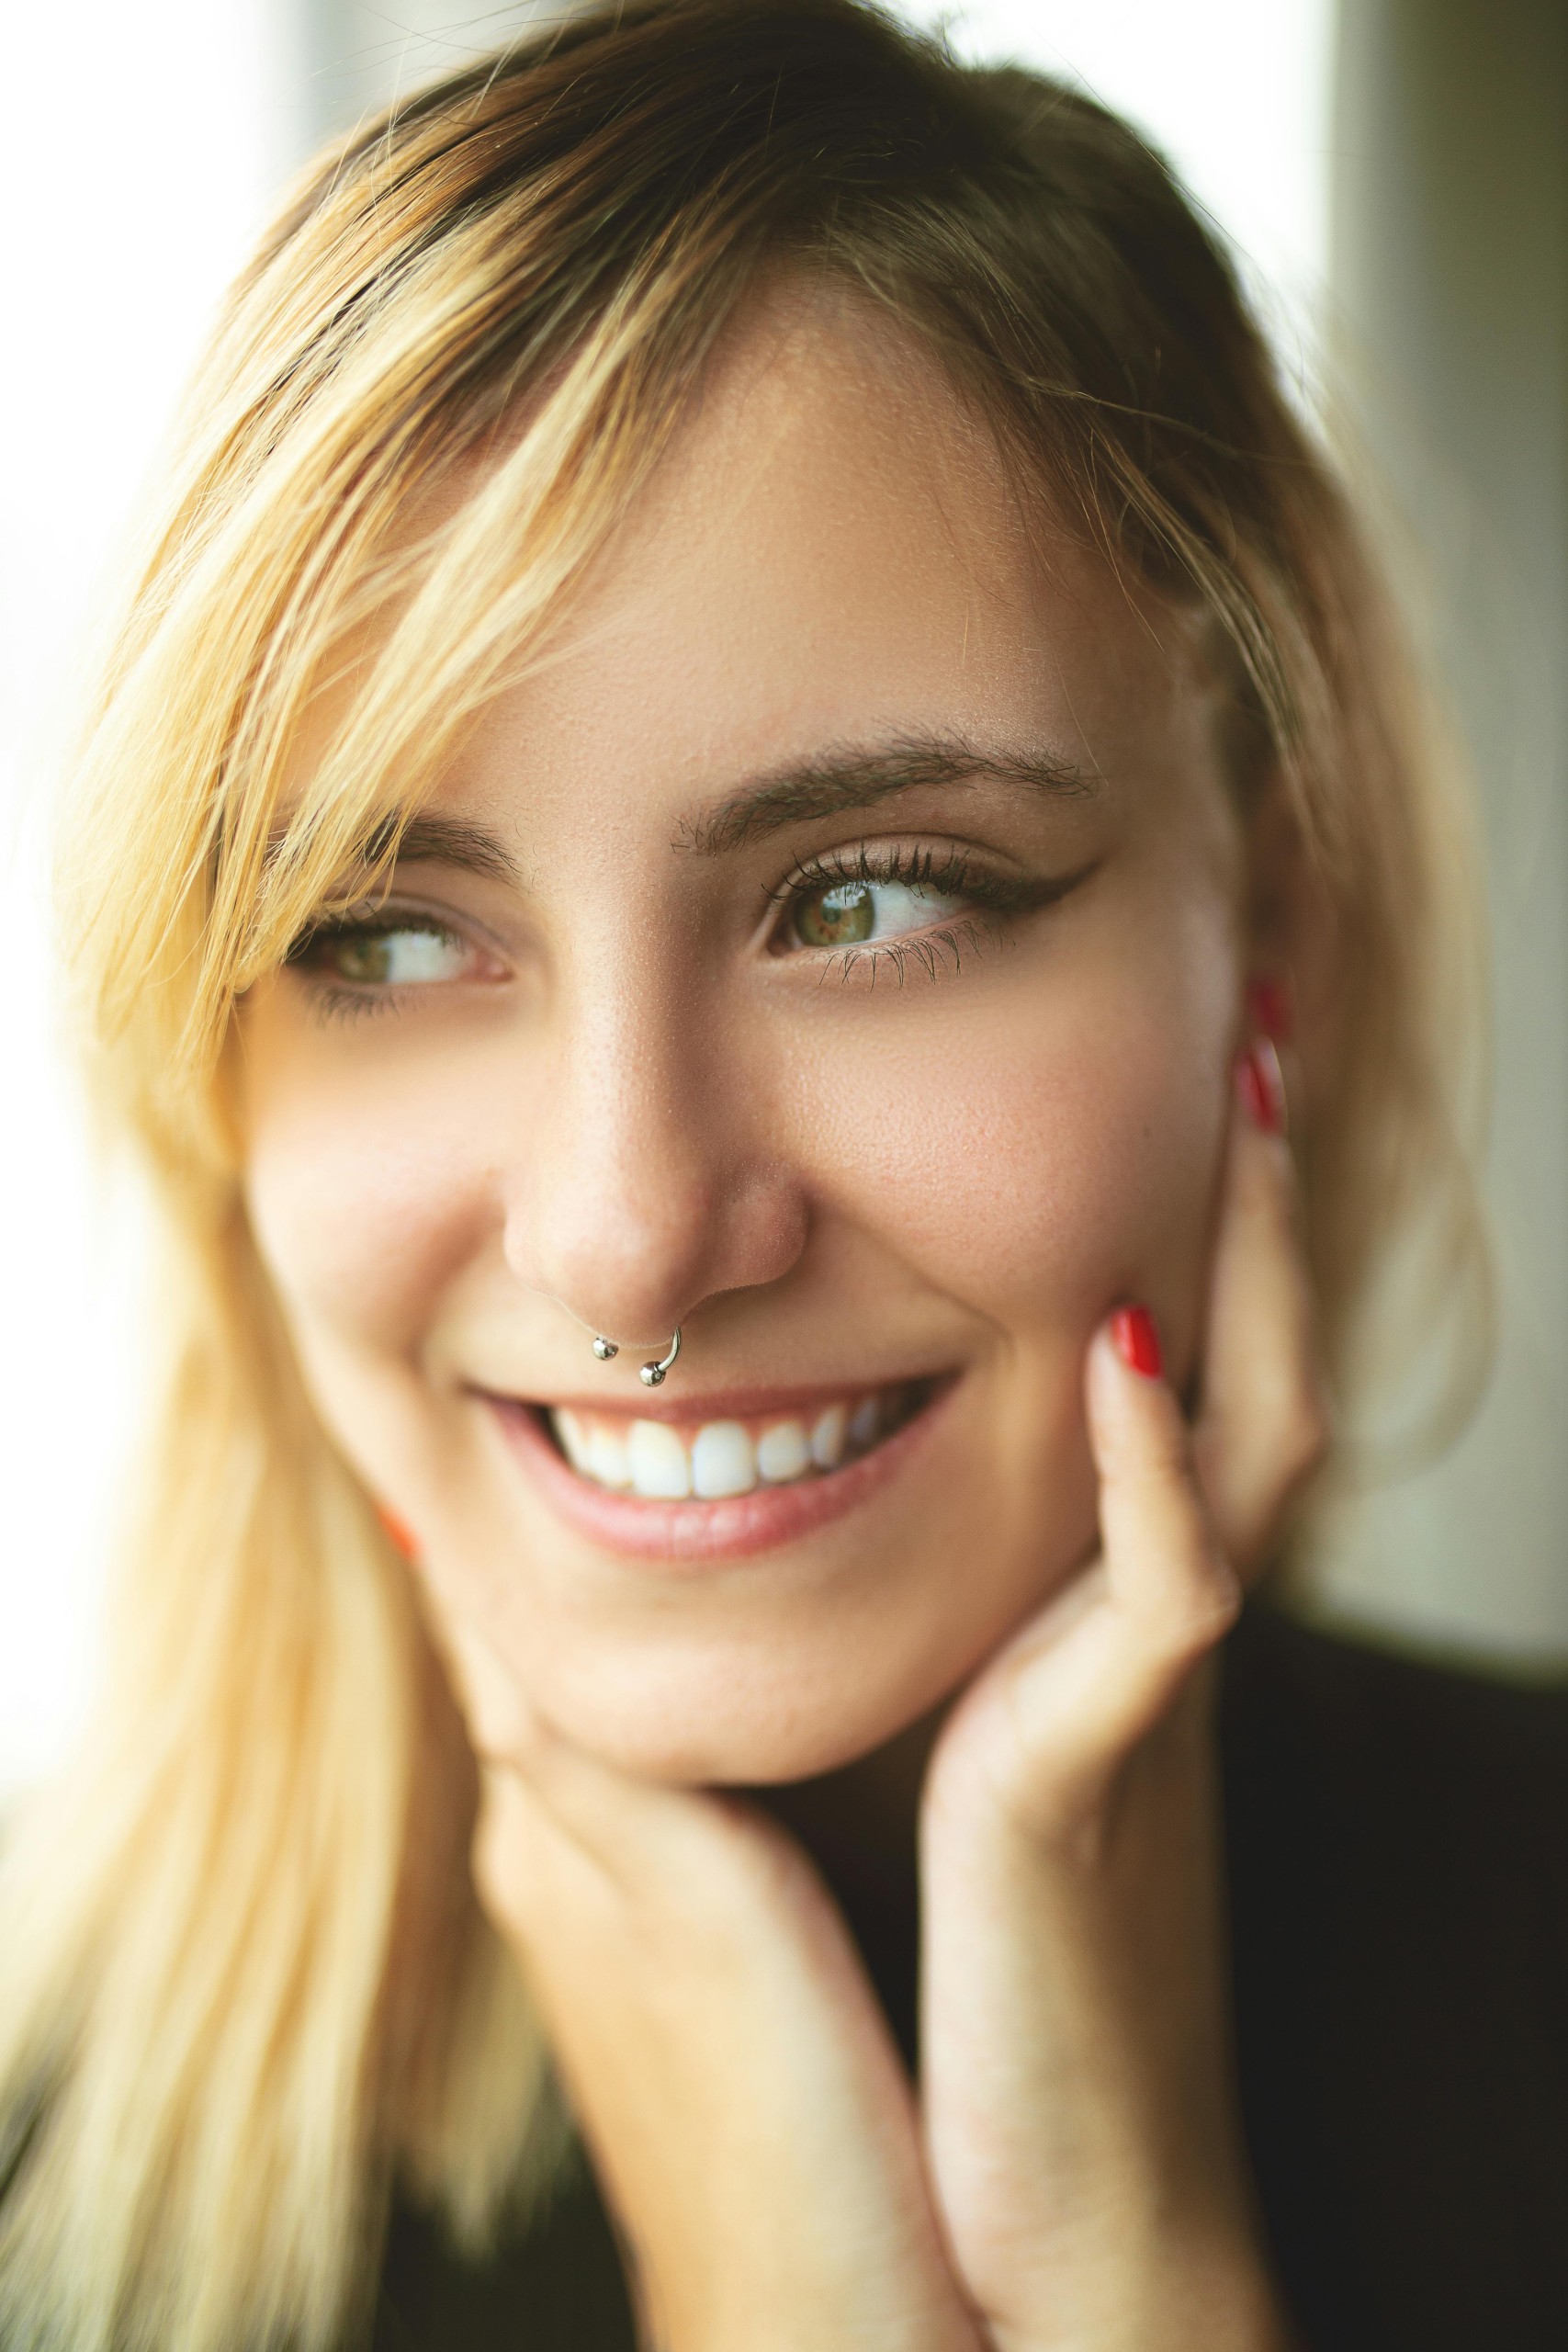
(696, 1642)
(724, 1749)
(732, 1719)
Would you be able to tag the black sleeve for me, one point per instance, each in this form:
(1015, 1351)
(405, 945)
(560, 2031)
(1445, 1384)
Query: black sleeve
(1398, 1856)
(558, 2286)
(1398, 1844)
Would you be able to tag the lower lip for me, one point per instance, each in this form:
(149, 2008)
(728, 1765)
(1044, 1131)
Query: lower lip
(698, 1533)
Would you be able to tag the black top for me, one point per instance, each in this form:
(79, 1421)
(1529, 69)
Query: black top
(1398, 1860)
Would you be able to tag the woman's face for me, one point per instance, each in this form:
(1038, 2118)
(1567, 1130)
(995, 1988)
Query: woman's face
(835, 951)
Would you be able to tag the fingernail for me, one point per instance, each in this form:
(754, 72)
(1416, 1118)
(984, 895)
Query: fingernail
(1137, 1340)
(1269, 1007)
(1261, 1087)
(399, 1531)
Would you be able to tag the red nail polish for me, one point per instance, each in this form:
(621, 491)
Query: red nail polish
(399, 1531)
(1261, 1087)
(1137, 1340)
(1269, 1008)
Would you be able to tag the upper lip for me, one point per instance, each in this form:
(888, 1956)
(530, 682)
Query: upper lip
(737, 1404)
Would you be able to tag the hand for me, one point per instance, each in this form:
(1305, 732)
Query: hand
(725, 2055)
(1081, 2120)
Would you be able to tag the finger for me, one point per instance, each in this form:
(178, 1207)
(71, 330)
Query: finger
(678, 1848)
(624, 1820)
(1263, 1421)
(1080, 1688)
(557, 1823)
(563, 1835)
(1171, 1588)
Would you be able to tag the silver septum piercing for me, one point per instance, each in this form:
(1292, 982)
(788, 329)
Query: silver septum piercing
(651, 1374)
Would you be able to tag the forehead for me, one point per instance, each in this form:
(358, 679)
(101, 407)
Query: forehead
(831, 550)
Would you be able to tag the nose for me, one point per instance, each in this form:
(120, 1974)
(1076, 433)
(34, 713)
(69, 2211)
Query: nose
(646, 1183)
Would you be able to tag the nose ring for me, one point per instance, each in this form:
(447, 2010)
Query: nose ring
(651, 1374)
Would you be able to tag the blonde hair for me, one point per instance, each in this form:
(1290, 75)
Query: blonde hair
(245, 1983)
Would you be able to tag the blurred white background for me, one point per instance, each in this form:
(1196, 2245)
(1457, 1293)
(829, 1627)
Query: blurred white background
(1421, 258)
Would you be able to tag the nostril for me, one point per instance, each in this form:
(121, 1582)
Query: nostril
(630, 1239)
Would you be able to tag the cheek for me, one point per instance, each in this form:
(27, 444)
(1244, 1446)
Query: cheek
(1049, 1158)
(363, 1208)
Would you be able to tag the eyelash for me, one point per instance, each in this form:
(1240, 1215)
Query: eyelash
(338, 1001)
(950, 872)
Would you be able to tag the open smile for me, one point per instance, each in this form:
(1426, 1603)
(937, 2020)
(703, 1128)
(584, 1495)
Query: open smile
(723, 1477)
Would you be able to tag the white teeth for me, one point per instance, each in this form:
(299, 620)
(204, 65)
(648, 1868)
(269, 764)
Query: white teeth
(783, 1453)
(663, 1463)
(608, 1459)
(722, 1461)
(828, 1438)
(573, 1443)
(598, 1452)
(863, 1422)
(659, 1466)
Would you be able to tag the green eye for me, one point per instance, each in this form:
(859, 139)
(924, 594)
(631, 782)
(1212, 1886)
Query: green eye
(836, 918)
(842, 914)
(361, 960)
(404, 954)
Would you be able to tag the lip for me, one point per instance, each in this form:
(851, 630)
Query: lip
(718, 1404)
(697, 1535)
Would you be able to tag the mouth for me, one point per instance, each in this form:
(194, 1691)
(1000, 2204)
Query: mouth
(716, 1456)
(722, 1477)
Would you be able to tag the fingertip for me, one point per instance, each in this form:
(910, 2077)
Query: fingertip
(1262, 1426)
(1134, 1335)
(1269, 1007)
(1260, 1168)
(397, 1532)
(1131, 1404)
(1261, 1087)
(1125, 1358)
(1261, 1164)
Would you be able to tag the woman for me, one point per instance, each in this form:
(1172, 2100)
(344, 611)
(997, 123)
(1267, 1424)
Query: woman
(749, 730)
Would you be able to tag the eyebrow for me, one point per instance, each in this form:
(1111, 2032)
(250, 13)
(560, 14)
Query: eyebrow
(448, 841)
(843, 779)
(859, 777)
